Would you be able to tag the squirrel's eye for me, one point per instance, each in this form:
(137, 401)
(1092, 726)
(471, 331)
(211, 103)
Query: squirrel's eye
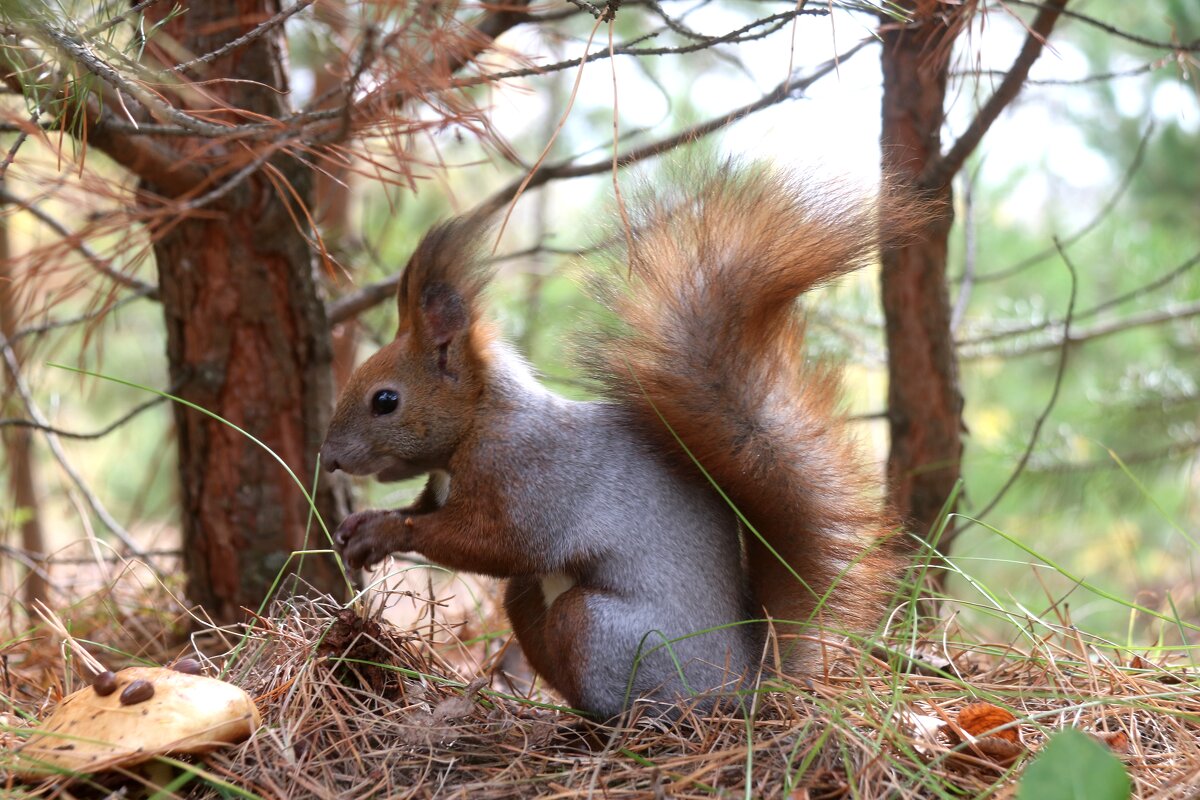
(384, 402)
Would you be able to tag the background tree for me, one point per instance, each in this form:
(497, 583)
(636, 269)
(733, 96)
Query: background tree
(183, 139)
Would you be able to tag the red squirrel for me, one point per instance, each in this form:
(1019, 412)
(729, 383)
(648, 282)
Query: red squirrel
(646, 537)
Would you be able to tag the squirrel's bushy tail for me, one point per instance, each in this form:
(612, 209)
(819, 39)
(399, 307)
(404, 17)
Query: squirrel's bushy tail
(710, 350)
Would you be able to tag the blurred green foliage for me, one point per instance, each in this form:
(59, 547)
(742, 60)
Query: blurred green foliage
(1134, 392)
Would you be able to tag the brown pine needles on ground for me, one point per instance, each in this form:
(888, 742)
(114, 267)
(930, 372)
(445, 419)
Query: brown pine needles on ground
(355, 707)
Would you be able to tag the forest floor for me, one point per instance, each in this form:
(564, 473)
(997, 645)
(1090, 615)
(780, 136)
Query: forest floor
(356, 706)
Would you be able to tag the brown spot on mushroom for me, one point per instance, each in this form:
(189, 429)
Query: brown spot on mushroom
(137, 692)
(105, 683)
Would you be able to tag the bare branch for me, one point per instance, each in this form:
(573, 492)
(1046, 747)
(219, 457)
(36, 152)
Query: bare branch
(747, 33)
(1058, 379)
(247, 37)
(940, 170)
(1133, 294)
(1190, 47)
(147, 159)
(788, 89)
(1179, 449)
(97, 434)
(1105, 210)
(1100, 77)
(109, 24)
(34, 330)
(354, 303)
(82, 54)
(31, 408)
(1143, 320)
(94, 259)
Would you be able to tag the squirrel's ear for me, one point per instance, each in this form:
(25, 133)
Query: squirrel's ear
(443, 314)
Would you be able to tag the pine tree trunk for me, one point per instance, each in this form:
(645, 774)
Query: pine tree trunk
(924, 402)
(247, 339)
(18, 441)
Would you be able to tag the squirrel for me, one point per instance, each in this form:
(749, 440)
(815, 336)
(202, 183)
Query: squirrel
(653, 539)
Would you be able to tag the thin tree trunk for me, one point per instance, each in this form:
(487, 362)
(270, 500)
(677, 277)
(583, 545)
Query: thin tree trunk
(18, 441)
(247, 339)
(924, 402)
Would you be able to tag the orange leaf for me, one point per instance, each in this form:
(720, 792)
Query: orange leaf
(1117, 740)
(978, 719)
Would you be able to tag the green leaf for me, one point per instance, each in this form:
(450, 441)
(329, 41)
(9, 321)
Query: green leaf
(1074, 766)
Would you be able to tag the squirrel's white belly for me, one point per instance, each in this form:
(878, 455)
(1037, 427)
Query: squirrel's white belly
(553, 585)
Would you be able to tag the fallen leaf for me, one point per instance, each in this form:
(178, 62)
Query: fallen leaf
(1002, 751)
(978, 719)
(1117, 741)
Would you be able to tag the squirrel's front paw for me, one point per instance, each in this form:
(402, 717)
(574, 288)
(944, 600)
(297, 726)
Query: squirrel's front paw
(367, 537)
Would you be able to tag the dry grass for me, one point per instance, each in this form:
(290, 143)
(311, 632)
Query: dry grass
(358, 708)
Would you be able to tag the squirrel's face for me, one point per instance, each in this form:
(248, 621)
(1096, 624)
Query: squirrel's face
(402, 413)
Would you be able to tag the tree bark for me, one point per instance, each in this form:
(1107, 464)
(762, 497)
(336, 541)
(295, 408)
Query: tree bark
(247, 339)
(18, 441)
(924, 402)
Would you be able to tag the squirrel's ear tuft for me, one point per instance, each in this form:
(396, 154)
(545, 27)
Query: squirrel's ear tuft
(443, 279)
(443, 313)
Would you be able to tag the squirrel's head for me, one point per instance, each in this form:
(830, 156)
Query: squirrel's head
(406, 409)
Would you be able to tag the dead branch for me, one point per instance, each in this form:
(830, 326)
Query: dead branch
(1100, 77)
(358, 301)
(941, 169)
(1080, 336)
(1189, 47)
(747, 33)
(1023, 461)
(249, 36)
(34, 330)
(94, 259)
(1178, 449)
(1108, 207)
(788, 89)
(97, 434)
(1132, 294)
(93, 502)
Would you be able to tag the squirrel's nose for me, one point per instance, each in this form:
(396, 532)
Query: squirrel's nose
(328, 460)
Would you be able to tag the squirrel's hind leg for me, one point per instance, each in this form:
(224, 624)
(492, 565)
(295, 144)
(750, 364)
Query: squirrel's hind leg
(586, 645)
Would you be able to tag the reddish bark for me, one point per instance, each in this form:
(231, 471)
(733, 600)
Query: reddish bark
(18, 441)
(247, 339)
(924, 402)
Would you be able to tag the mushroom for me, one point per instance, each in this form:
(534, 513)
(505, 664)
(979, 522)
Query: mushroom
(150, 711)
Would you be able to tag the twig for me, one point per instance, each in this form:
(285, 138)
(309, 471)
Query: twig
(1177, 47)
(109, 24)
(1100, 77)
(1132, 294)
(93, 502)
(567, 169)
(82, 54)
(96, 261)
(98, 434)
(940, 170)
(1143, 320)
(970, 251)
(1141, 290)
(49, 559)
(247, 37)
(1172, 450)
(1126, 180)
(356, 302)
(11, 155)
(55, 324)
(771, 24)
(1065, 347)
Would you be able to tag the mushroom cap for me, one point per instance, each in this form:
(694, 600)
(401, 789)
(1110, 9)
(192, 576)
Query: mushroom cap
(88, 732)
